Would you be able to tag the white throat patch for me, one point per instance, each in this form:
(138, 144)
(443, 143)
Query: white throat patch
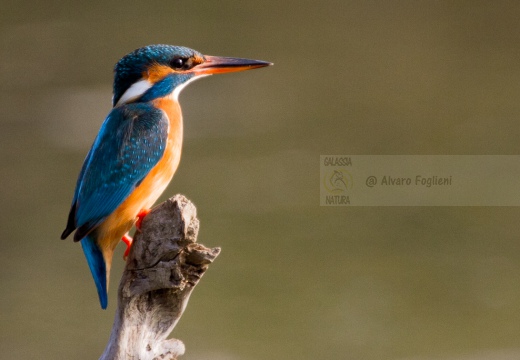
(133, 92)
(139, 88)
(181, 87)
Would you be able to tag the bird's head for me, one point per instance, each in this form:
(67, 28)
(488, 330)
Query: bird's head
(155, 71)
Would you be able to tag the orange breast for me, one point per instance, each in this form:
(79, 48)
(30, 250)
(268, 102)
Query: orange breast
(153, 185)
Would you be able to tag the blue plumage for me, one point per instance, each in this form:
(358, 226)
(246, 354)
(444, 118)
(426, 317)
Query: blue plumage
(137, 150)
(97, 266)
(130, 68)
(131, 141)
(165, 86)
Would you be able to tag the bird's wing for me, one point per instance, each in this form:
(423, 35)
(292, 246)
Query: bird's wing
(130, 143)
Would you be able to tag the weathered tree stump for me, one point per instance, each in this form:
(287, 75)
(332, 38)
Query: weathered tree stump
(164, 265)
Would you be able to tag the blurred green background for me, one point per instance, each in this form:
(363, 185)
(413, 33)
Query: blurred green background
(294, 280)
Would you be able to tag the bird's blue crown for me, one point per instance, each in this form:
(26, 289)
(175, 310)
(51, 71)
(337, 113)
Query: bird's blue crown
(131, 67)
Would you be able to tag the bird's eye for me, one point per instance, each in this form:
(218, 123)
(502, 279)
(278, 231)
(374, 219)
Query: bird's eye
(178, 63)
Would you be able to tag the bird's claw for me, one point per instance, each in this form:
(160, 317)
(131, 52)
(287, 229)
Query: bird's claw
(140, 216)
(128, 241)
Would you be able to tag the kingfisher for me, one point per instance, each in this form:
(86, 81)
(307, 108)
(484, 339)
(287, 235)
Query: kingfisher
(137, 150)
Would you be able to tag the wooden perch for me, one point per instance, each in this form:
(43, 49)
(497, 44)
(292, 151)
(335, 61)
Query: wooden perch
(164, 265)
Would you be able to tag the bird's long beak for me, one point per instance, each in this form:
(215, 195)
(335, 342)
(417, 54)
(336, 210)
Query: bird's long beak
(221, 65)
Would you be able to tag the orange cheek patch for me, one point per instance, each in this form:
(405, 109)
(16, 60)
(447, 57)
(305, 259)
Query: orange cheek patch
(157, 72)
(198, 60)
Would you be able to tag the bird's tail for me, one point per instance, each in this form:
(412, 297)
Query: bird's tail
(97, 265)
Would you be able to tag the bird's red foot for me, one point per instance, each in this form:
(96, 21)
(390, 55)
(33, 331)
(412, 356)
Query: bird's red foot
(140, 218)
(128, 241)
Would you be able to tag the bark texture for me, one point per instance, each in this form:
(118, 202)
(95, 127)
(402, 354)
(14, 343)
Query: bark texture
(164, 265)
